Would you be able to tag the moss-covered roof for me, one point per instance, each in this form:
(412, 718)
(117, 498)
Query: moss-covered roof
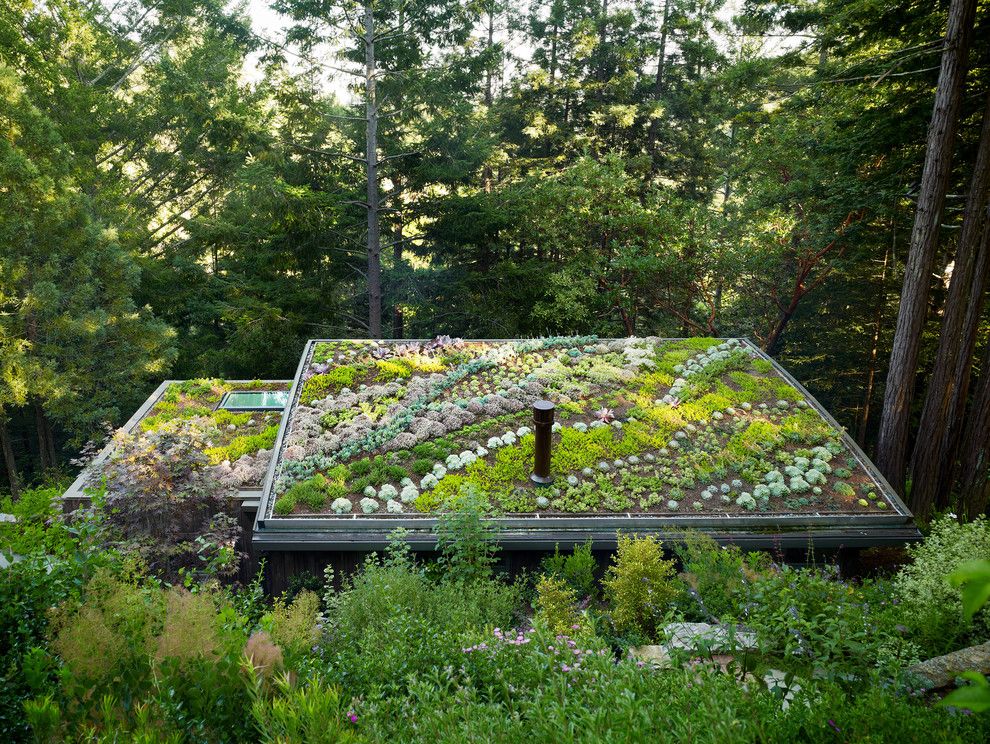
(666, 427)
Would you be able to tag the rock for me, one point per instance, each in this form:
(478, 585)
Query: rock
(942, 670)
(655, 656)
(691, 636)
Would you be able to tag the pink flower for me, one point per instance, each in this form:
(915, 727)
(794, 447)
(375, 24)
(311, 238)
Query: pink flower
(352, 716)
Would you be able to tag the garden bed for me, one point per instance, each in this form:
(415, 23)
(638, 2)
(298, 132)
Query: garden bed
(683, 431)
(238, 433)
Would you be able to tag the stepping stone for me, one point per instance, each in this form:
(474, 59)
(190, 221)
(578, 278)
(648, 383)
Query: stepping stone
(943, 670)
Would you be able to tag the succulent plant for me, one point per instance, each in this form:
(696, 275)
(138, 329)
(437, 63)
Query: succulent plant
(369, 506)
(605, 415)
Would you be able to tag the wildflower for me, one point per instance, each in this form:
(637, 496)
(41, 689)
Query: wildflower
(352, 716)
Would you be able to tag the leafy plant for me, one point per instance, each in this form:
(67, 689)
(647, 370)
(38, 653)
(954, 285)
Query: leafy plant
(467, 538)
(556, 605)
(577, 568)
(163, 502)
(639, 585)
(933, 609)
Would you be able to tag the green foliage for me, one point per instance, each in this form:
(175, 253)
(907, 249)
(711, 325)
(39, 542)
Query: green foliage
(556, 605)
(244, 445)
(639, 586)
(314, 712)
(333, 381)
(577, 569)
(387, 370)
(313, 492)
(39, 527)
(933, 609)
(467, 539)
(391, 624)
(720, 576)
(843, 627)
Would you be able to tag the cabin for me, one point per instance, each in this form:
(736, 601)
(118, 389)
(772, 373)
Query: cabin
(562, 439)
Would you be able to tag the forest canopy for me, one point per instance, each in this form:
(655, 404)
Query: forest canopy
(188, 190)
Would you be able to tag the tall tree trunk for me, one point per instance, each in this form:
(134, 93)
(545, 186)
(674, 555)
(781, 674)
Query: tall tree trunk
(397, 243)
(486, 173)
(658, 85)
(864, 417)
(930, 466)
(491, 43)
(46, 439)
(899, 391)
(970, 332)
(9, 462)
(371, 155)
(974, 456)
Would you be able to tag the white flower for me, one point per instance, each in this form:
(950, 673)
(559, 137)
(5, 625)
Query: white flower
(388, 491)
(393, 507)
(428, 482)
(409, 494)
(370, 492)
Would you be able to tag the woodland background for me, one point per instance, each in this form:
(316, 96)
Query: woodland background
(183, 194)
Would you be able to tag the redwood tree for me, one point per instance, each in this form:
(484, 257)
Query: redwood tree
(939, 417)
(893, 440)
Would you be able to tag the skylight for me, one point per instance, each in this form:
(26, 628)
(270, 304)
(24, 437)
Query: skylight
(254, 400)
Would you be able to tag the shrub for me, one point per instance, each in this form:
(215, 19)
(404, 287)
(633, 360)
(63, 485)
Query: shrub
(577, 568)
(110, 635)
(718, 575)
(639, 585)
(467, 539)
(555, 605)
(391, 622)
(292, 625)
(932, 607)
(163, 503)
(315, 713)
(844, 628)
(39, 525)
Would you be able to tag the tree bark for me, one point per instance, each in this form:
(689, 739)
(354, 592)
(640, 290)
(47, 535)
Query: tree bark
(46, 439)
(9, 461)
(864, 418)
(371, 163)
(974, 482)
(930, 464)
(899, 391)
(658, 85)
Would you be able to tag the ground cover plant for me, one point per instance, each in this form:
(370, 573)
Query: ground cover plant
(406, 649)
(241, 441)
(694, 426)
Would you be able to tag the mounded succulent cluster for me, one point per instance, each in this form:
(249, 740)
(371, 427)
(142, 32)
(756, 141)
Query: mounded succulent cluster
(643, 425)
